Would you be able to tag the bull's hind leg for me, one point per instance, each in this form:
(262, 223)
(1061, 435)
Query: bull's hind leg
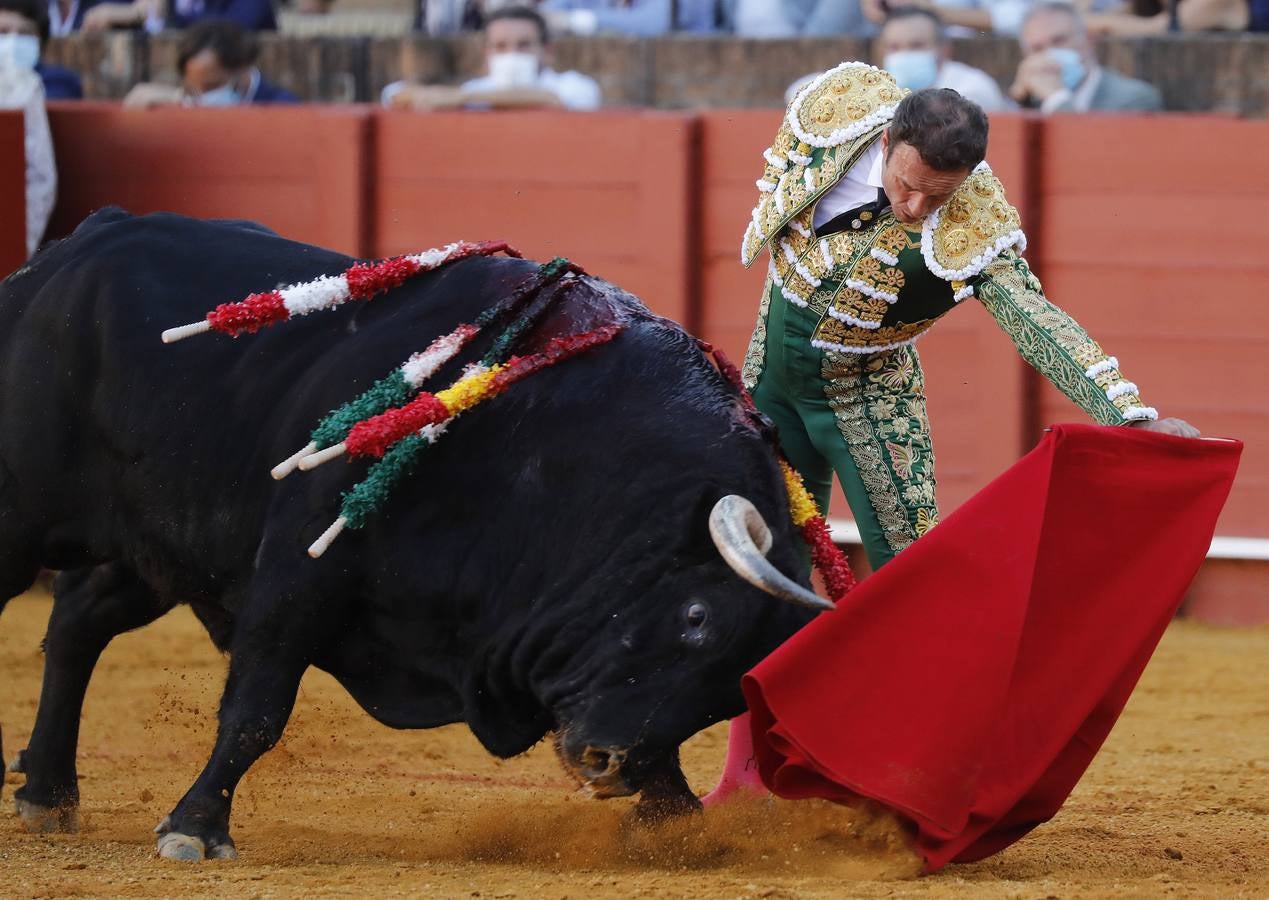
(271, 649)
(90, 607)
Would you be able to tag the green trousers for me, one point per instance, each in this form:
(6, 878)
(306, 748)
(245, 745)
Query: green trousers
(861, 416)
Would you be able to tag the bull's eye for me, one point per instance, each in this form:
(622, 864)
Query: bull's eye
(697, 615)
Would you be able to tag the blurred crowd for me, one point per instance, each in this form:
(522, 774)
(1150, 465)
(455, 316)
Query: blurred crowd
(216, 62)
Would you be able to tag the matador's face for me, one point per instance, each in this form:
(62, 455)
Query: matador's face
(915, 189)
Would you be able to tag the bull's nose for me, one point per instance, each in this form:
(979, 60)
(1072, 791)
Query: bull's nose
(600, 762)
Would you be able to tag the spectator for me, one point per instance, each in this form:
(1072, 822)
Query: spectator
(453, 16)
(912, 46)
(1157, 16)
(67, 16)
(155, 15)
(1059, 70)
(103, 16)
(639, 18)
(519, 75)
(217, 62)
(21, 88)
(252, 15)
(965, 16)
(27, 21)
(794, 18)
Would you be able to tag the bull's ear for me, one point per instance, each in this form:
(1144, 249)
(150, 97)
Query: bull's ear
(506, 721)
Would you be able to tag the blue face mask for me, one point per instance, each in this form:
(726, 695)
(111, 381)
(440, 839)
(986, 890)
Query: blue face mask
(1072, 65)
(225, 95)
(23, 50)
(912, 69)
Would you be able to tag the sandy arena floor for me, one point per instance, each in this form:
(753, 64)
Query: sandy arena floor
(1177, 804)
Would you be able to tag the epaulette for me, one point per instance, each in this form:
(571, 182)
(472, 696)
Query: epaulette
(836, 114)
(975, 225)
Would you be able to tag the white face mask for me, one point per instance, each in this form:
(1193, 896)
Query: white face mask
(21, 51)
(512, 70)
(912, 69)
(225, 95)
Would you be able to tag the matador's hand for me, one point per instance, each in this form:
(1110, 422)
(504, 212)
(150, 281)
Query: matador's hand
(1178, 427)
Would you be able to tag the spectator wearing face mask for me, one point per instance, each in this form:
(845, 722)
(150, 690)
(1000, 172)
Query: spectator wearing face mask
(1059, 70)
(21, 88)
(27, 23)
(216, 59)
(912, 46)
(518, 73)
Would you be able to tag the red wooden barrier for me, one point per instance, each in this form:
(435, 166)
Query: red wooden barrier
(298, 170)
(972, 371)
(1156, 242)
(13, 190)
(611, 191)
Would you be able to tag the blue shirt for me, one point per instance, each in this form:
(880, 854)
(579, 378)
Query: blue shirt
(60, 83)
(253, 15)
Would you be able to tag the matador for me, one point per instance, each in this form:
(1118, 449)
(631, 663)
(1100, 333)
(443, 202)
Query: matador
(880, 216)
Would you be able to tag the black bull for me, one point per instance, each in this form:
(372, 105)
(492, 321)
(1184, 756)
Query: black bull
(548, 567)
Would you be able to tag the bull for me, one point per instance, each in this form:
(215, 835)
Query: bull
(550, 567)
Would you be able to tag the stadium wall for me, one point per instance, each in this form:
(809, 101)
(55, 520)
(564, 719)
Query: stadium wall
(1151, 239)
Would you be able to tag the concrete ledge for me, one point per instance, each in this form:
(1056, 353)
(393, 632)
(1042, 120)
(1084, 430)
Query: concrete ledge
(1231, 588)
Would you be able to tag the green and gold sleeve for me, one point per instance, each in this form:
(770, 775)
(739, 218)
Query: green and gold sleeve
(1056, 345)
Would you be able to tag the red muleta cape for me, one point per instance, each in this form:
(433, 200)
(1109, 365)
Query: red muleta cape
(969, 683)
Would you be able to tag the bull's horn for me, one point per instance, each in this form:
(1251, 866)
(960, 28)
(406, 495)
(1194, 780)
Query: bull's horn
(743, 539)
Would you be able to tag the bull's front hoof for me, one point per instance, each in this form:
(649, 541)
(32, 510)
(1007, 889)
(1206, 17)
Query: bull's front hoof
(658, 808)
(46, 819)
(188, 848)
(182, 847)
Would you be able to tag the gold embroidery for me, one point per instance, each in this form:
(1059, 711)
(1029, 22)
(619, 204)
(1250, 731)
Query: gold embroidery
(894, 240)
(859, 305)
(835, 332)
(755, 354)
(845, 98)
(878, 401)
(972, 220)
(883, 277)
(1050, 340)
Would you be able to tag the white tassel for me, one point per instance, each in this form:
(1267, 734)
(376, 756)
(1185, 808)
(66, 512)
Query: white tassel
(322, 544)
(288, 465)
(313, 460)
(181, 332)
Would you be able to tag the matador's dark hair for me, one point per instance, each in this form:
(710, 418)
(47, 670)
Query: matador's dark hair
(948, 131)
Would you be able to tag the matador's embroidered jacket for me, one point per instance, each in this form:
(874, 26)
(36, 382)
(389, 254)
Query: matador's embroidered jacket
(881, 284)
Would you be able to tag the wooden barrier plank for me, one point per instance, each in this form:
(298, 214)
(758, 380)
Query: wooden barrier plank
(13, 188)
(298, 170)
(609, 190)
(1154, 243)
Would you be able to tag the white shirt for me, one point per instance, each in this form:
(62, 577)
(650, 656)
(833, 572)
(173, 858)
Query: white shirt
(575, 90)
(857, 187)
(22, 89)
(972, 84)
(58, 26)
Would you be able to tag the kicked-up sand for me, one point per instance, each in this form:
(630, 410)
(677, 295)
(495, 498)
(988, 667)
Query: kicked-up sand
(1176, 804)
